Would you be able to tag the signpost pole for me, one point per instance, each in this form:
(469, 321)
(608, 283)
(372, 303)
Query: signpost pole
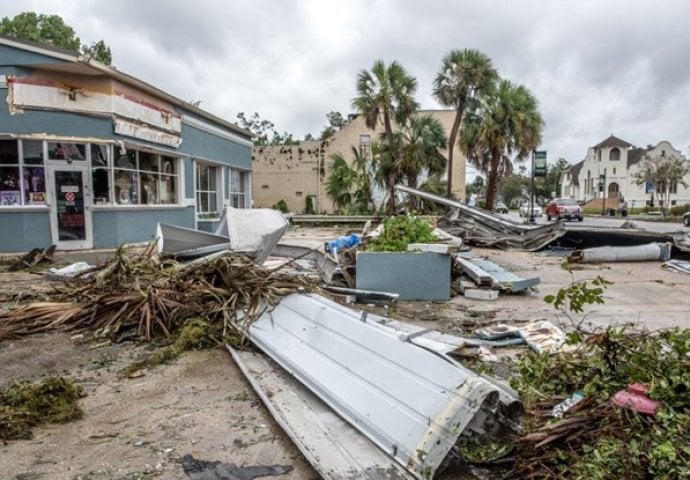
(531, 192)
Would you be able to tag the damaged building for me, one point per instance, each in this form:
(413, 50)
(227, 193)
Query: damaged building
(91, 157)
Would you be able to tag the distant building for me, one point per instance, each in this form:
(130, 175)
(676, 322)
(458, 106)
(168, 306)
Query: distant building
(295, 173)
(607, 173)
(92, 157)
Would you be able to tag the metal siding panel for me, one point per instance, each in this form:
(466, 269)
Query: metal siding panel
(410, 402)
(335, 449)
(415, 276)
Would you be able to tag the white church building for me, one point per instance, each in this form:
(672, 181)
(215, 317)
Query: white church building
(607, 173)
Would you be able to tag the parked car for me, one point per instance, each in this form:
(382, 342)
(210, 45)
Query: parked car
(500, 208)
(566, 208)
(523, 210)
(686, 219)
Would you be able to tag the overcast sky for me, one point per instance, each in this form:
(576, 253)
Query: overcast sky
(596, 66)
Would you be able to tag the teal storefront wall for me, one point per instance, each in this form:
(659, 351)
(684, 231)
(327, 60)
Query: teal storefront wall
(114, 227)
(22, 231)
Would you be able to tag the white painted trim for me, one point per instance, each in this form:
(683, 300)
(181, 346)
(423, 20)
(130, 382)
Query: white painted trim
(208, 128)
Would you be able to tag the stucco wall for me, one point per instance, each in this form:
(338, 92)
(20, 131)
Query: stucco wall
(281, 172)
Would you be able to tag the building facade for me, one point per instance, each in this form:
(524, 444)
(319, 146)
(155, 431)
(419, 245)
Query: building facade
(607, 172)
(91, 157)
(297, 174)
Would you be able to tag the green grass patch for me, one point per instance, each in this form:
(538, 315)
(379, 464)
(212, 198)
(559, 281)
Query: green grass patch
(24, 405)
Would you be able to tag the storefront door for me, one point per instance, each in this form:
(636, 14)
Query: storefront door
(70, 204)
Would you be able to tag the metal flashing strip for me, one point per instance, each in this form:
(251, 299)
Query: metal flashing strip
(504, 279)
(335, 449)
(484, 228)
(409, 401)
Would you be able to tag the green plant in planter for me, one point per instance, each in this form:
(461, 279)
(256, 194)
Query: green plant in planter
(400, 231)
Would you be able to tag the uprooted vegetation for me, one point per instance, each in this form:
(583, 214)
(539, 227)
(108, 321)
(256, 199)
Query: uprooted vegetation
(142, 297)
(24, 406)
(595, 438)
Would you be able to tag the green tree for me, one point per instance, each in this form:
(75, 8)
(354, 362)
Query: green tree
(464, 75)
(264, 131)
(336, 122)
(100, 51)
(422, 139)
(506, 122)
(513, 187)
(665, 172)
(350, 184)
(53, 30)
(386, 94)
(547, 186)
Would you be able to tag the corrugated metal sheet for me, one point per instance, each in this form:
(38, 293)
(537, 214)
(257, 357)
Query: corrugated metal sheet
(483, 228)
(187, 242)
(255, 231)
(410, 402)
(334, 448)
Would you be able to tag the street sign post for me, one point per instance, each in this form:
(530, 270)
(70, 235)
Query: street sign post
(538, 170)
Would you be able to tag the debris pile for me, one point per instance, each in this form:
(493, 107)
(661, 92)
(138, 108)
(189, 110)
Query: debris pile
(141, 297)
(600, 436)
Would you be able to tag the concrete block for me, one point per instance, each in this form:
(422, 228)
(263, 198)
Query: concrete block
(412, 275)
(481, 294)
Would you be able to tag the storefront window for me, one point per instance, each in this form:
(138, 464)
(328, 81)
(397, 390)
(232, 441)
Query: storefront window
(99, 174)
(22, 178)
(238, 189)
(145, 178)
(66, 151)
(207, 188)
(10, 186)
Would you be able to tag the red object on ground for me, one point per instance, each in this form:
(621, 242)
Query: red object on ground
(635, 397)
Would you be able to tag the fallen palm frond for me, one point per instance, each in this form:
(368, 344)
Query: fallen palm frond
(142, 297)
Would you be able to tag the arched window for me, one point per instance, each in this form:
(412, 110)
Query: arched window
(615, 154)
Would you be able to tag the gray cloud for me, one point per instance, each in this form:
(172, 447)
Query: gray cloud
(596, 67)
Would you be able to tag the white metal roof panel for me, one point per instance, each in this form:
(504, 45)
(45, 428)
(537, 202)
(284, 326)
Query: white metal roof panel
(409, 401)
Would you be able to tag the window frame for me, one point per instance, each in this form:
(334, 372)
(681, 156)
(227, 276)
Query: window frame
(219, 193)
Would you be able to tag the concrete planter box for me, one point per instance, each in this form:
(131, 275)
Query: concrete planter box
(412, 275)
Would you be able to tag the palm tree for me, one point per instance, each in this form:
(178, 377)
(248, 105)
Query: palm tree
(507, 122)
(350, 184)
(464, 75)
(385, 94)
(415, 150)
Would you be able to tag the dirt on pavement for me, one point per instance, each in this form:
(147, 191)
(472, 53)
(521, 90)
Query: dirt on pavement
(200, 404)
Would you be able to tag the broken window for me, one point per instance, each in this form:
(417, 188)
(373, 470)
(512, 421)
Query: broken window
(145, 178)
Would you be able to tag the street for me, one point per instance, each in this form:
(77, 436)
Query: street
(608, 221)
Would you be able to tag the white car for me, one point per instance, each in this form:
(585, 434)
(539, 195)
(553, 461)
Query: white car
(524, 210)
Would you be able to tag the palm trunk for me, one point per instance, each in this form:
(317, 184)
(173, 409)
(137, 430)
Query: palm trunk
(451, 147)
(492, 181)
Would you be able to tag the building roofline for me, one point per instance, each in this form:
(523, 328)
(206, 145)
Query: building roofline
(112, 72)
